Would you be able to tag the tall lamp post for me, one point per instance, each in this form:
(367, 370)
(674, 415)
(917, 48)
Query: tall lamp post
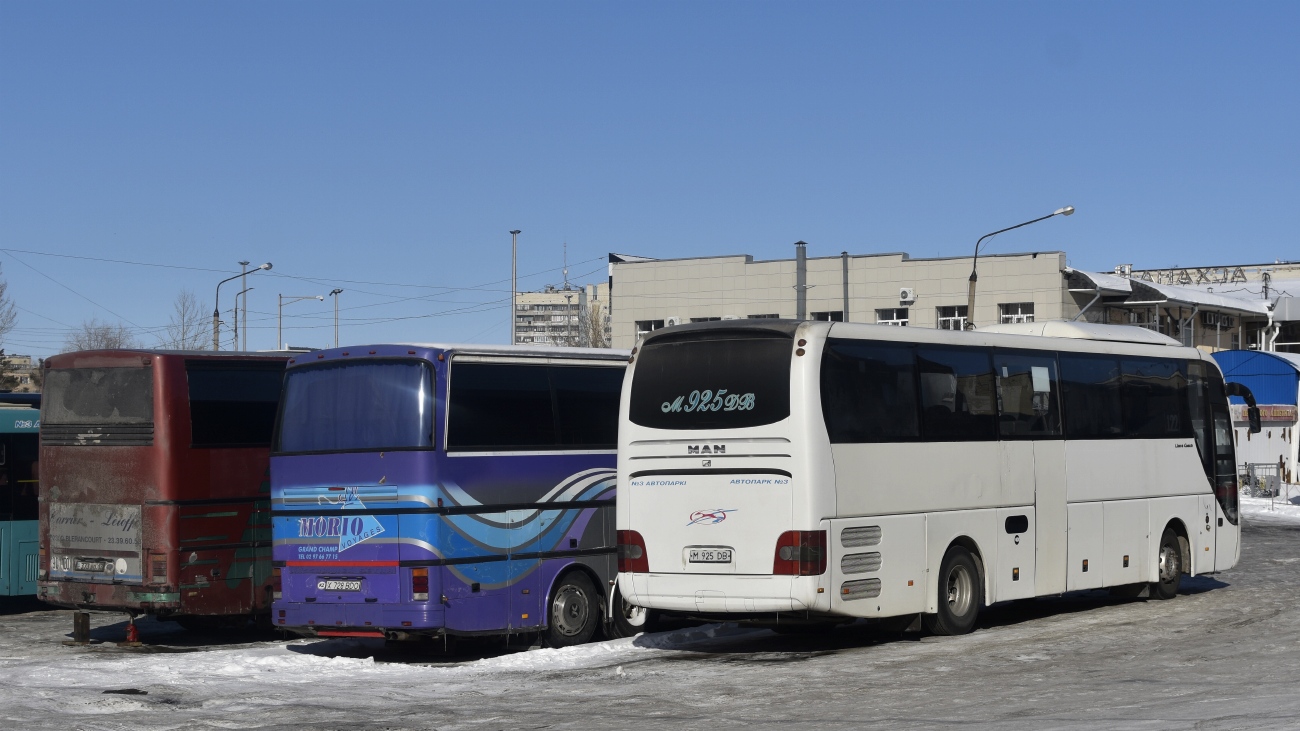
(241, 318)
(279, 320)
(335, 294)
(974, 276)
(514, 249)
(216, 307)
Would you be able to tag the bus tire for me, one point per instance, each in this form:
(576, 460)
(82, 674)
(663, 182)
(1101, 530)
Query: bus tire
(574, 611)
(959, 594)
(630, 620)
(1169, 564)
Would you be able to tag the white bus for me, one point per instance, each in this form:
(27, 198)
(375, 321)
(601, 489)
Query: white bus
(812, 472)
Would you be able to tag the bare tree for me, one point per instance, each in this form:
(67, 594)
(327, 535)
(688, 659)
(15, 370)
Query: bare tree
(190, 328)
(8, 312)
(96, 335)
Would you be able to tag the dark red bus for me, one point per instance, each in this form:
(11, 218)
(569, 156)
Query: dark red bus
(155, 495)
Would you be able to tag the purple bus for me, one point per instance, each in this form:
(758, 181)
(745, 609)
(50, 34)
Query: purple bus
(427, 490)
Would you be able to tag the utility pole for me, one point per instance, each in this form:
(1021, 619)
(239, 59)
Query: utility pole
(514, 251)
(335, 294)
(243, 284)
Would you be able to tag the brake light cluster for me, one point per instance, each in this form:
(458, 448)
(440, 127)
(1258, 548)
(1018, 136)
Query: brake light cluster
(158, 572)
(276, 584)
(632, 557)
(800, 553)
(420, 585)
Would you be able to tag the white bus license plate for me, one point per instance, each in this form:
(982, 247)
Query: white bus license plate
(709, 555)
(339, 585)
(91, 566)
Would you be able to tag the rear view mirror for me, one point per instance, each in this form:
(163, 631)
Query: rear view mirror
(1252, 413)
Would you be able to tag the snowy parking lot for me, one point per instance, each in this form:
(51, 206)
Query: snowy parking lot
(1223, 655)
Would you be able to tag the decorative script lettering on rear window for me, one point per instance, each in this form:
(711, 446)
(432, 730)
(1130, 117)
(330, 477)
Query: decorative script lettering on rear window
(708, 400)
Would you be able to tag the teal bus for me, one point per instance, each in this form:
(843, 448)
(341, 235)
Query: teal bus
(20, 423)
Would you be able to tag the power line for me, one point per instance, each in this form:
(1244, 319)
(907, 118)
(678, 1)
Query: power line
(70, 289)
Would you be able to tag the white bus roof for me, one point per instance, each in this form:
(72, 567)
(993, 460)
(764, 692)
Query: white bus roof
(1084, 331)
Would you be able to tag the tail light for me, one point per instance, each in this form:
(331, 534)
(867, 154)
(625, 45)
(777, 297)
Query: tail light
(420, 585)
(632, 558)
(41, 563)
(800, 553)
(276, 584)
(158, 575)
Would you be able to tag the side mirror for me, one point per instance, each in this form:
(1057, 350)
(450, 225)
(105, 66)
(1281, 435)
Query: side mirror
(1252, 413)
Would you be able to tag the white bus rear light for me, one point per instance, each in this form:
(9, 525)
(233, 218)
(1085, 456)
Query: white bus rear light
(800, 553)
(632, 557)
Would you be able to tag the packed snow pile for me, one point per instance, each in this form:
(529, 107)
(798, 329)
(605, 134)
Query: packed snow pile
(1275, 510)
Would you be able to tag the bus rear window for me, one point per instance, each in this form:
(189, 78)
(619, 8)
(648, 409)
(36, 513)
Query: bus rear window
(98, 396)
(723, 382)
(357, 406)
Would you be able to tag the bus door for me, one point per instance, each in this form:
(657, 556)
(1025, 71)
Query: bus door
(1033, 457)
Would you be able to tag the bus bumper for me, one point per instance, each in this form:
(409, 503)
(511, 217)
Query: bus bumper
(125, 597)
(714, 594)
(311, 618)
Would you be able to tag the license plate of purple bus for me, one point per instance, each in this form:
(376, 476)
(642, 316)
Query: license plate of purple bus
(339, 585)
(709, 555)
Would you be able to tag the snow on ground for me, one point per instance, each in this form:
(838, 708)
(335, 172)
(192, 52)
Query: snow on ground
(1272, 510)
(1222, 655)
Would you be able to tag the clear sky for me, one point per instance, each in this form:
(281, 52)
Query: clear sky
(387, 148)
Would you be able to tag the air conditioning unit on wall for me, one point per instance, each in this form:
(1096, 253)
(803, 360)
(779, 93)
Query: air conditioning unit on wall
(672, 320)
(907, 294)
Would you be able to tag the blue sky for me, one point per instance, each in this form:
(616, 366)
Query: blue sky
(387, 148)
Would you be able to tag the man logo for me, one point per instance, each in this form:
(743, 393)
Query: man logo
(706, 449)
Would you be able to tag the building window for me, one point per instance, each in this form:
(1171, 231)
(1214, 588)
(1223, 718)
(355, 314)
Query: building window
(836, 316)
(772, 316)
(1016, 312)
(952, 318)
(892, 316)
(645, 326)
(705, 319)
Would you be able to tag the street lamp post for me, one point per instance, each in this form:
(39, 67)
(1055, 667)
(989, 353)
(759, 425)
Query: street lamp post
(335, 294)
(514, 250)
(242, 318)
(970, 299)
(279, 320)
(216, 306)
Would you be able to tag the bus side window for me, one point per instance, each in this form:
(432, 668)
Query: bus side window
(1091, 387)
(500, 406)
(586, 405)
(958, 397)
(868, 392)
(1155, 398)
(1028, 395)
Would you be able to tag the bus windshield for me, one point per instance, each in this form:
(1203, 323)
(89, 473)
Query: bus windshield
(368, 405)
(727, 381)
(98, 396)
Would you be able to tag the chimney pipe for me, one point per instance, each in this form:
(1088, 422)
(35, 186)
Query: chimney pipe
(801, 280)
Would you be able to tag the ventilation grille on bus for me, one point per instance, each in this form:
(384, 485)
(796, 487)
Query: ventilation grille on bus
(868, 535)
(31, 569)
(860, 589)
(80, 435)
(860, 563)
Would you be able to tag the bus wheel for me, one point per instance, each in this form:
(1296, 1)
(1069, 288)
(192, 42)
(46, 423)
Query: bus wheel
(629, 620)
(1170, 561)
(574, 611)
(959, 594)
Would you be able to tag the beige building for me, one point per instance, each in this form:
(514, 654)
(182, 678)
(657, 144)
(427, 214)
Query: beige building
(876, 288)
(563, 316)
(21, 368)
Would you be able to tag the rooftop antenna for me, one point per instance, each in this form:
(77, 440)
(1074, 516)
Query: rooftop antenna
(566, 265)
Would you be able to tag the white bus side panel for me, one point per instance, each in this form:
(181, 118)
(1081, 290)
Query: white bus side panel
(1017, 472)
(1014, 567)
(1126, 532)
(981, 526)
(1084, 546)
(882, 479)
(1120, 469)
(900, 544)
(1049, 509)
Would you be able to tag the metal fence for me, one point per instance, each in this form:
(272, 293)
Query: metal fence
(1264, 479)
